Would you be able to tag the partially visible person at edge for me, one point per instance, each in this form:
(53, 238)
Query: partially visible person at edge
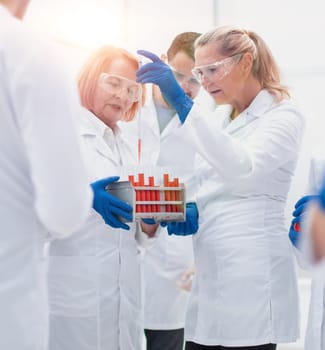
(315, 332)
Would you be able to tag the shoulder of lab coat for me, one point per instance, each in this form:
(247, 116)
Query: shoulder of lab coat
(45, 103)
(275, 140)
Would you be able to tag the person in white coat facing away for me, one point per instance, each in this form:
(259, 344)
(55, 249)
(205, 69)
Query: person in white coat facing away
(95, 276)
(244, 293)
(315, 332)
(43, 182)
(169, 256)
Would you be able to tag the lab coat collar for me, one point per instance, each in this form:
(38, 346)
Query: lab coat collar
(5, 11)
(259, 106)
(94, 127)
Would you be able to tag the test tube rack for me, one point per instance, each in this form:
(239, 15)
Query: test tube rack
(160, 202)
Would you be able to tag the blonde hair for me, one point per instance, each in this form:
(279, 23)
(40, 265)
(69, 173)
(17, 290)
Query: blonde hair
(98, 63)
(231, 41)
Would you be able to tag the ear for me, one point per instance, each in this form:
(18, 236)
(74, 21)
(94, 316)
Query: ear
(163, 57)
(247, 62)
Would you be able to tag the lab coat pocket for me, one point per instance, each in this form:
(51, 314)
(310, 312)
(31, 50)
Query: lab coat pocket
(72, 285)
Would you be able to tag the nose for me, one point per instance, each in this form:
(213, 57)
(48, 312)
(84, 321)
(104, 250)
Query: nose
(205, 82)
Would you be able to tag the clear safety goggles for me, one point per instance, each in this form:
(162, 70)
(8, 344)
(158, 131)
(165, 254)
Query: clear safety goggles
(115, 84)
(190, 80)
(217, 70)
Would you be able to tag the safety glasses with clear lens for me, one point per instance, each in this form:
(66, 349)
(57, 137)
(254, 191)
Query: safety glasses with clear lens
(217, 70)
(190, 80)
(116, 84)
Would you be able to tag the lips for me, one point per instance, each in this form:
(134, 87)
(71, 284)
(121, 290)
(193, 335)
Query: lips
(214, 92)
(115, 107)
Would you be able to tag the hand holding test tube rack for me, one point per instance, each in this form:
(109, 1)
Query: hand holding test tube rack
(164, 202)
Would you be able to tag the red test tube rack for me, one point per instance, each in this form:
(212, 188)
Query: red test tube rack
(161, 202)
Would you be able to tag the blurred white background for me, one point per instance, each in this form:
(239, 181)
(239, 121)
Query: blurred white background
(293, 29)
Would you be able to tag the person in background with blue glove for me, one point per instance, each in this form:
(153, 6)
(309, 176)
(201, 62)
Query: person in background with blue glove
(168, 258)
(315, 333)
(244, 292)
(94, 276)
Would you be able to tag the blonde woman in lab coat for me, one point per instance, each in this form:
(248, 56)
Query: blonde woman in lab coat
(244, 293)
(315, 333)
(95, 276)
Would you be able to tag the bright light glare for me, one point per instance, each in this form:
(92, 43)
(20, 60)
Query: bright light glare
(87, 24)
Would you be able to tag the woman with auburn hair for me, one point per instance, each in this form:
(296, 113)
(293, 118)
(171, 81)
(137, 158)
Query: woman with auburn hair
(94, 276)
(244, 292)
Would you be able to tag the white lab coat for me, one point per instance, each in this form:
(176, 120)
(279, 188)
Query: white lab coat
(169, 257)
(245, 288)
(315, 334)
(36, 195)
(95, 275)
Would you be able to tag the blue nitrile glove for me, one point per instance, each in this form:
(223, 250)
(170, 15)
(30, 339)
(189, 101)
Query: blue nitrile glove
(149, 221)
(301, 204)
(300, 207)
(188, 227)
(294, 232)
(108, 206)
(159, 73)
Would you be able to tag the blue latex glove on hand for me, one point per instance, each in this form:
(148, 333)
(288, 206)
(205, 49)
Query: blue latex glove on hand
(149, 221)
(159, 73)
(300, 207)
(188, 227)
(294, 232)
(301, 204)
(110, 207)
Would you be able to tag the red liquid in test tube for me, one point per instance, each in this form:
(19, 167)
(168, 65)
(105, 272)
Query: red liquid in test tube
(177, 198)
(142, 193)
(152, 194)
(167, 193)
(172, 197)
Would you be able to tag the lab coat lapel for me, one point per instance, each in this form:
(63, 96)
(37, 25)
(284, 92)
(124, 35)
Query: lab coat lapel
(170, 127)
(88, 129)
(237, 123)
(260, 105)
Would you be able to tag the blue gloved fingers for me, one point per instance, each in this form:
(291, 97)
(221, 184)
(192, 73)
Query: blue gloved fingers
(153, 57)
(116, 202)
(151, 68)
(296, 220)
(149, 221)
(171, 228)
(176, 228)
(305, 199)
(104, 182)
(294, 235)
(116, 223)
(120, 212)
(299, 210)
(163, 223)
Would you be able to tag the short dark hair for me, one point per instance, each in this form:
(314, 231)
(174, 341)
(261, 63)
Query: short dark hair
(183, 42)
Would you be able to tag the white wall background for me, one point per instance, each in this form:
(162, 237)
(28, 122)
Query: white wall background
(294, 30)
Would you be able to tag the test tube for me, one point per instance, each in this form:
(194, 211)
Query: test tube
(142, 192)
(167, 193)
(151, 192)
